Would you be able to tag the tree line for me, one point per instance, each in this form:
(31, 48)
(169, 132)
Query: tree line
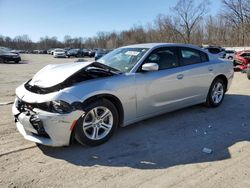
(188, 22)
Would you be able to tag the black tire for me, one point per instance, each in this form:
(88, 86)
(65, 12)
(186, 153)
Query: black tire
(16, 62)
(1, 60)
(210, 102)
(235, 63)
(248, 73)
(80, 135)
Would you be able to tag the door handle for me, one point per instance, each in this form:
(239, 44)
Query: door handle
(180, 76)
(210, 69)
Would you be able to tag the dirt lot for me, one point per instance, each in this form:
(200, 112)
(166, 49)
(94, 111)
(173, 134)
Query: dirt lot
(165, 151)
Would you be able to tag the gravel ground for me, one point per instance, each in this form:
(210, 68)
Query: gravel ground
(165, 151)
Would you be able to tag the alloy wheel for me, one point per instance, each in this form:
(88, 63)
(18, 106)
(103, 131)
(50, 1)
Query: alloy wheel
(98, 123)
(217, 93)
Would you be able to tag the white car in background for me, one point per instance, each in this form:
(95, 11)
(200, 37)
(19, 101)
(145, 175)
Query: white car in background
(59, 53)
(215, 52)
(230, 54)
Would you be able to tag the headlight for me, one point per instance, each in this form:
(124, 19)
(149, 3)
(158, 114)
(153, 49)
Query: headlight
(61, 107)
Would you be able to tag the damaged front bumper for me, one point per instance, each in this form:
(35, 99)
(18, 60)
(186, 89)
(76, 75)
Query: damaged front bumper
(52, 129)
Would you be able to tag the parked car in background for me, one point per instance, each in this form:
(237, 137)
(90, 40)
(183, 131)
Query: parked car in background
(74, 53)
(5, 49)
(242, 59)
(89, 100)
(67, 49)
(49, 51)
(215, 51)
(18, 51)
(59, 52)
(85, 52)
(230, 54)
(52, 51)
(6, 56)
(101, 52)
(92, 52)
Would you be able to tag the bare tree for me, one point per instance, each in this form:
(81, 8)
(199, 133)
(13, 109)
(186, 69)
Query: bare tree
(187, 16)
(237, 12)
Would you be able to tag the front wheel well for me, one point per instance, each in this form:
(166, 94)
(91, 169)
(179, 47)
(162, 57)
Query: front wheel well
(112, 99)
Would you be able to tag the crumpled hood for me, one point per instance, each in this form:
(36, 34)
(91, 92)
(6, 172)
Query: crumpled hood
(52, 75)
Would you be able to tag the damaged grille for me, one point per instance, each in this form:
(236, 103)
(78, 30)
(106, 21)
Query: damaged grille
(27, 107)
(35, 121)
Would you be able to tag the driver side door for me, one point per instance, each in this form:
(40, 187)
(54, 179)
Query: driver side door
(160, 90)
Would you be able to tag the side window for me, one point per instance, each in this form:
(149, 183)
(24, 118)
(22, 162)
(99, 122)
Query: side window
(166, 58)
(190, 56)
(246, 55)
(204, 57)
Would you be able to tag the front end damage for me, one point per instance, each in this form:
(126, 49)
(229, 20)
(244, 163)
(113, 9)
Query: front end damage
(43, 127)
(45, 110)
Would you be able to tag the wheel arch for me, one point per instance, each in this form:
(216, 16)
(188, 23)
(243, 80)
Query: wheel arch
(112, 98)
(222, 77)
(115, 100)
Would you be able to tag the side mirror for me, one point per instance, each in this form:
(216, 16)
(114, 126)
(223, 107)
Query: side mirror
(150, 67)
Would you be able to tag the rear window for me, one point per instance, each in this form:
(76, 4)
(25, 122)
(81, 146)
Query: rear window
(229, 51)
(214, 50)
(191, 56)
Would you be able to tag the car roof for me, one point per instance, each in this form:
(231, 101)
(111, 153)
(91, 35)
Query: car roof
(155, 45)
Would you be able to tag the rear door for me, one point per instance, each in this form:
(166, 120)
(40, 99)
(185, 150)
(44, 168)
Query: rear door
(197, 72)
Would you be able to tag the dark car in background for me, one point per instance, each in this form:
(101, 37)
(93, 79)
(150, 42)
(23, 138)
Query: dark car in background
(74, 53)
(85, 52)
(100, 53)
(92, 52)
(6, 56)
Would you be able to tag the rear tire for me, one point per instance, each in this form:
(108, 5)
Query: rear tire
(216, 93)
(98, 124)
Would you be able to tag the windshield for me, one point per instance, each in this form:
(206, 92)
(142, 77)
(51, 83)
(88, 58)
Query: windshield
(59, 50)
(123, 59)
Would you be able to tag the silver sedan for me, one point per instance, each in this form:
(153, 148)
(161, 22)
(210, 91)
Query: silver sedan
(89, 100)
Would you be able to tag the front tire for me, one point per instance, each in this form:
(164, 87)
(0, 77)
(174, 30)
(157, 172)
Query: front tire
(216, 93)
(98, 124)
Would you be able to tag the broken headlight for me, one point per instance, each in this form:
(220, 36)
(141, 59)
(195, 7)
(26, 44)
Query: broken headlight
(61, 107)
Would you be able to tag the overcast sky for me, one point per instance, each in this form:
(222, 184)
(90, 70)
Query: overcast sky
(79, 18)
